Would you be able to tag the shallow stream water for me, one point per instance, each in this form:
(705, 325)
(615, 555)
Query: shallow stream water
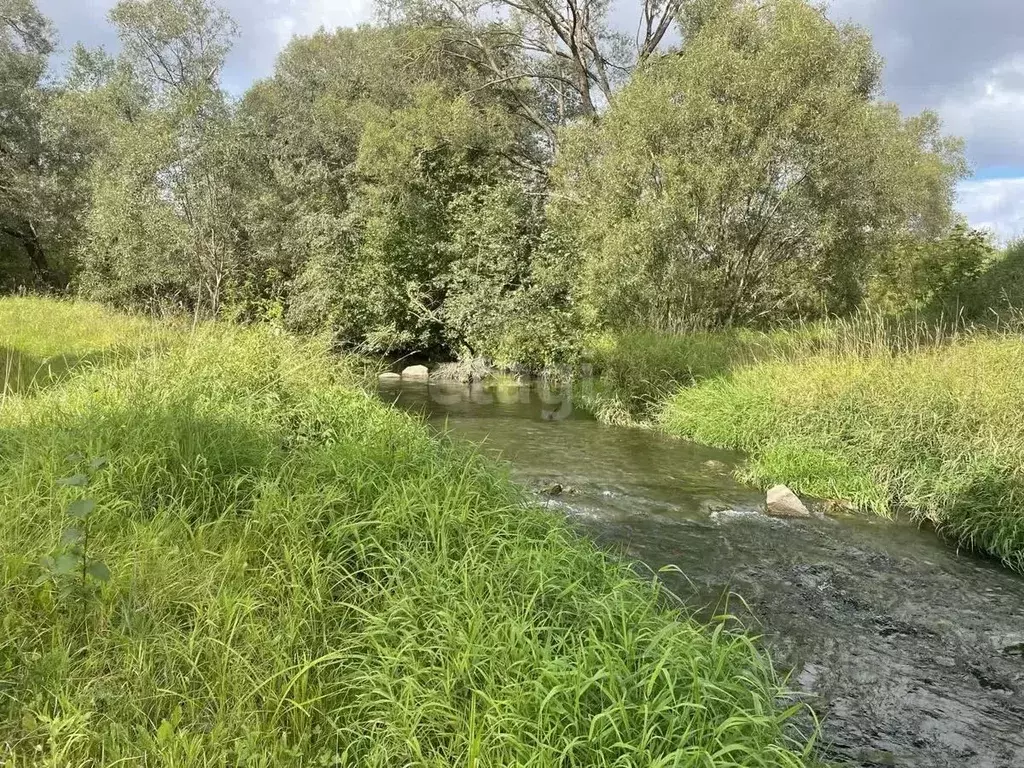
(910, 652)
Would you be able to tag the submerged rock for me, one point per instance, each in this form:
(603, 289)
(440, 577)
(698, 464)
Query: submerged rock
(782, 502)
(836, 508)
(716, 466)
(710, 506)
(416, 373)
(1010, 644)
(558, 489)
(390, 376)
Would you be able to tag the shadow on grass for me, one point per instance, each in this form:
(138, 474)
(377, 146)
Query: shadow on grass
(22, 373)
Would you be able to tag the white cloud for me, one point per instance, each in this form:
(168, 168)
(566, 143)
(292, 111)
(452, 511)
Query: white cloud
(989, 112)
(964, 59)
(996, 205)
(301, 17)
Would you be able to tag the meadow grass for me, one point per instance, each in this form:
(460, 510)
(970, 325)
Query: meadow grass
(301, 576)
(637, 371)
(41, 340)
(934, 427)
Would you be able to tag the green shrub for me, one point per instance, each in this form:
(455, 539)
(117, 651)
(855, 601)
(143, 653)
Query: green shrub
(932, 276)
(999, 290)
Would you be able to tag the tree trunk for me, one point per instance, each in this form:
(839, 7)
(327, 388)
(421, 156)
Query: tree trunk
(28, 238)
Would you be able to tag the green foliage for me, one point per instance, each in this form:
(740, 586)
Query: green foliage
(481, 204)
(748, 177)
(535, 46)
(495, 237)
(400, 206)
(999, 289)
(32, 252)
(176, 46)
(934, 276)
(70, 567)
(302, 576)
(158, 225)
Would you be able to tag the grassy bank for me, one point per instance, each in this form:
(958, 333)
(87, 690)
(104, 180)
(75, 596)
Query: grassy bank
(890, 417)
(42, 341)
(278, 570)
(637, 372)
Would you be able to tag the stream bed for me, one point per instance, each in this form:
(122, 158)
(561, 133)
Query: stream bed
(910, 652)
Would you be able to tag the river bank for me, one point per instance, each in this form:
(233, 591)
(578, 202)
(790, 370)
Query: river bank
(893, 417)
(220, 550)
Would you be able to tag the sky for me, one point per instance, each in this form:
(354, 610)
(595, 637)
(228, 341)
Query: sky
(962, 58)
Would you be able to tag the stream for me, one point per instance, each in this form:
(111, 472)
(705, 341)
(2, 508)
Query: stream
(911, 653)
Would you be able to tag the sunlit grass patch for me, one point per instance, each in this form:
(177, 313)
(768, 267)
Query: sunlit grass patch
(43, 340)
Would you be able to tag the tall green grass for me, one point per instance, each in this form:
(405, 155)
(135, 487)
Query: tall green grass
(934, 428)
(301, 576)
(42, 340)
(637, 371)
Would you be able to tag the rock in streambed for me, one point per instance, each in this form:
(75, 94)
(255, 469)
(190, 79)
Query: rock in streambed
(782, 502)
(416, 373)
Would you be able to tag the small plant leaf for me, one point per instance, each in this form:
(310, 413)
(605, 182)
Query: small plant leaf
(74, 480)
(81, 508)
(165, 733)
(71, 536)
(67, 564)
(98, 571)
(99, 462)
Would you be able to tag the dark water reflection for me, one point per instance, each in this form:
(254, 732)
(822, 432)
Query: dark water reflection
(911, 652)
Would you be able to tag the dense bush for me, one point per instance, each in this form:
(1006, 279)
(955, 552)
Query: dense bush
(405, 224)
(999, 289)
(935, 277)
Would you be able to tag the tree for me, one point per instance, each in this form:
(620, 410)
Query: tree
(368, 193)
(565, 49)
(749, 175)
(177, 46)
(25, 47)
(160, 227)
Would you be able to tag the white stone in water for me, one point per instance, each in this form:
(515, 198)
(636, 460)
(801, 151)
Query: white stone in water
(416, 373)
(390, 376)
(782, 502)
